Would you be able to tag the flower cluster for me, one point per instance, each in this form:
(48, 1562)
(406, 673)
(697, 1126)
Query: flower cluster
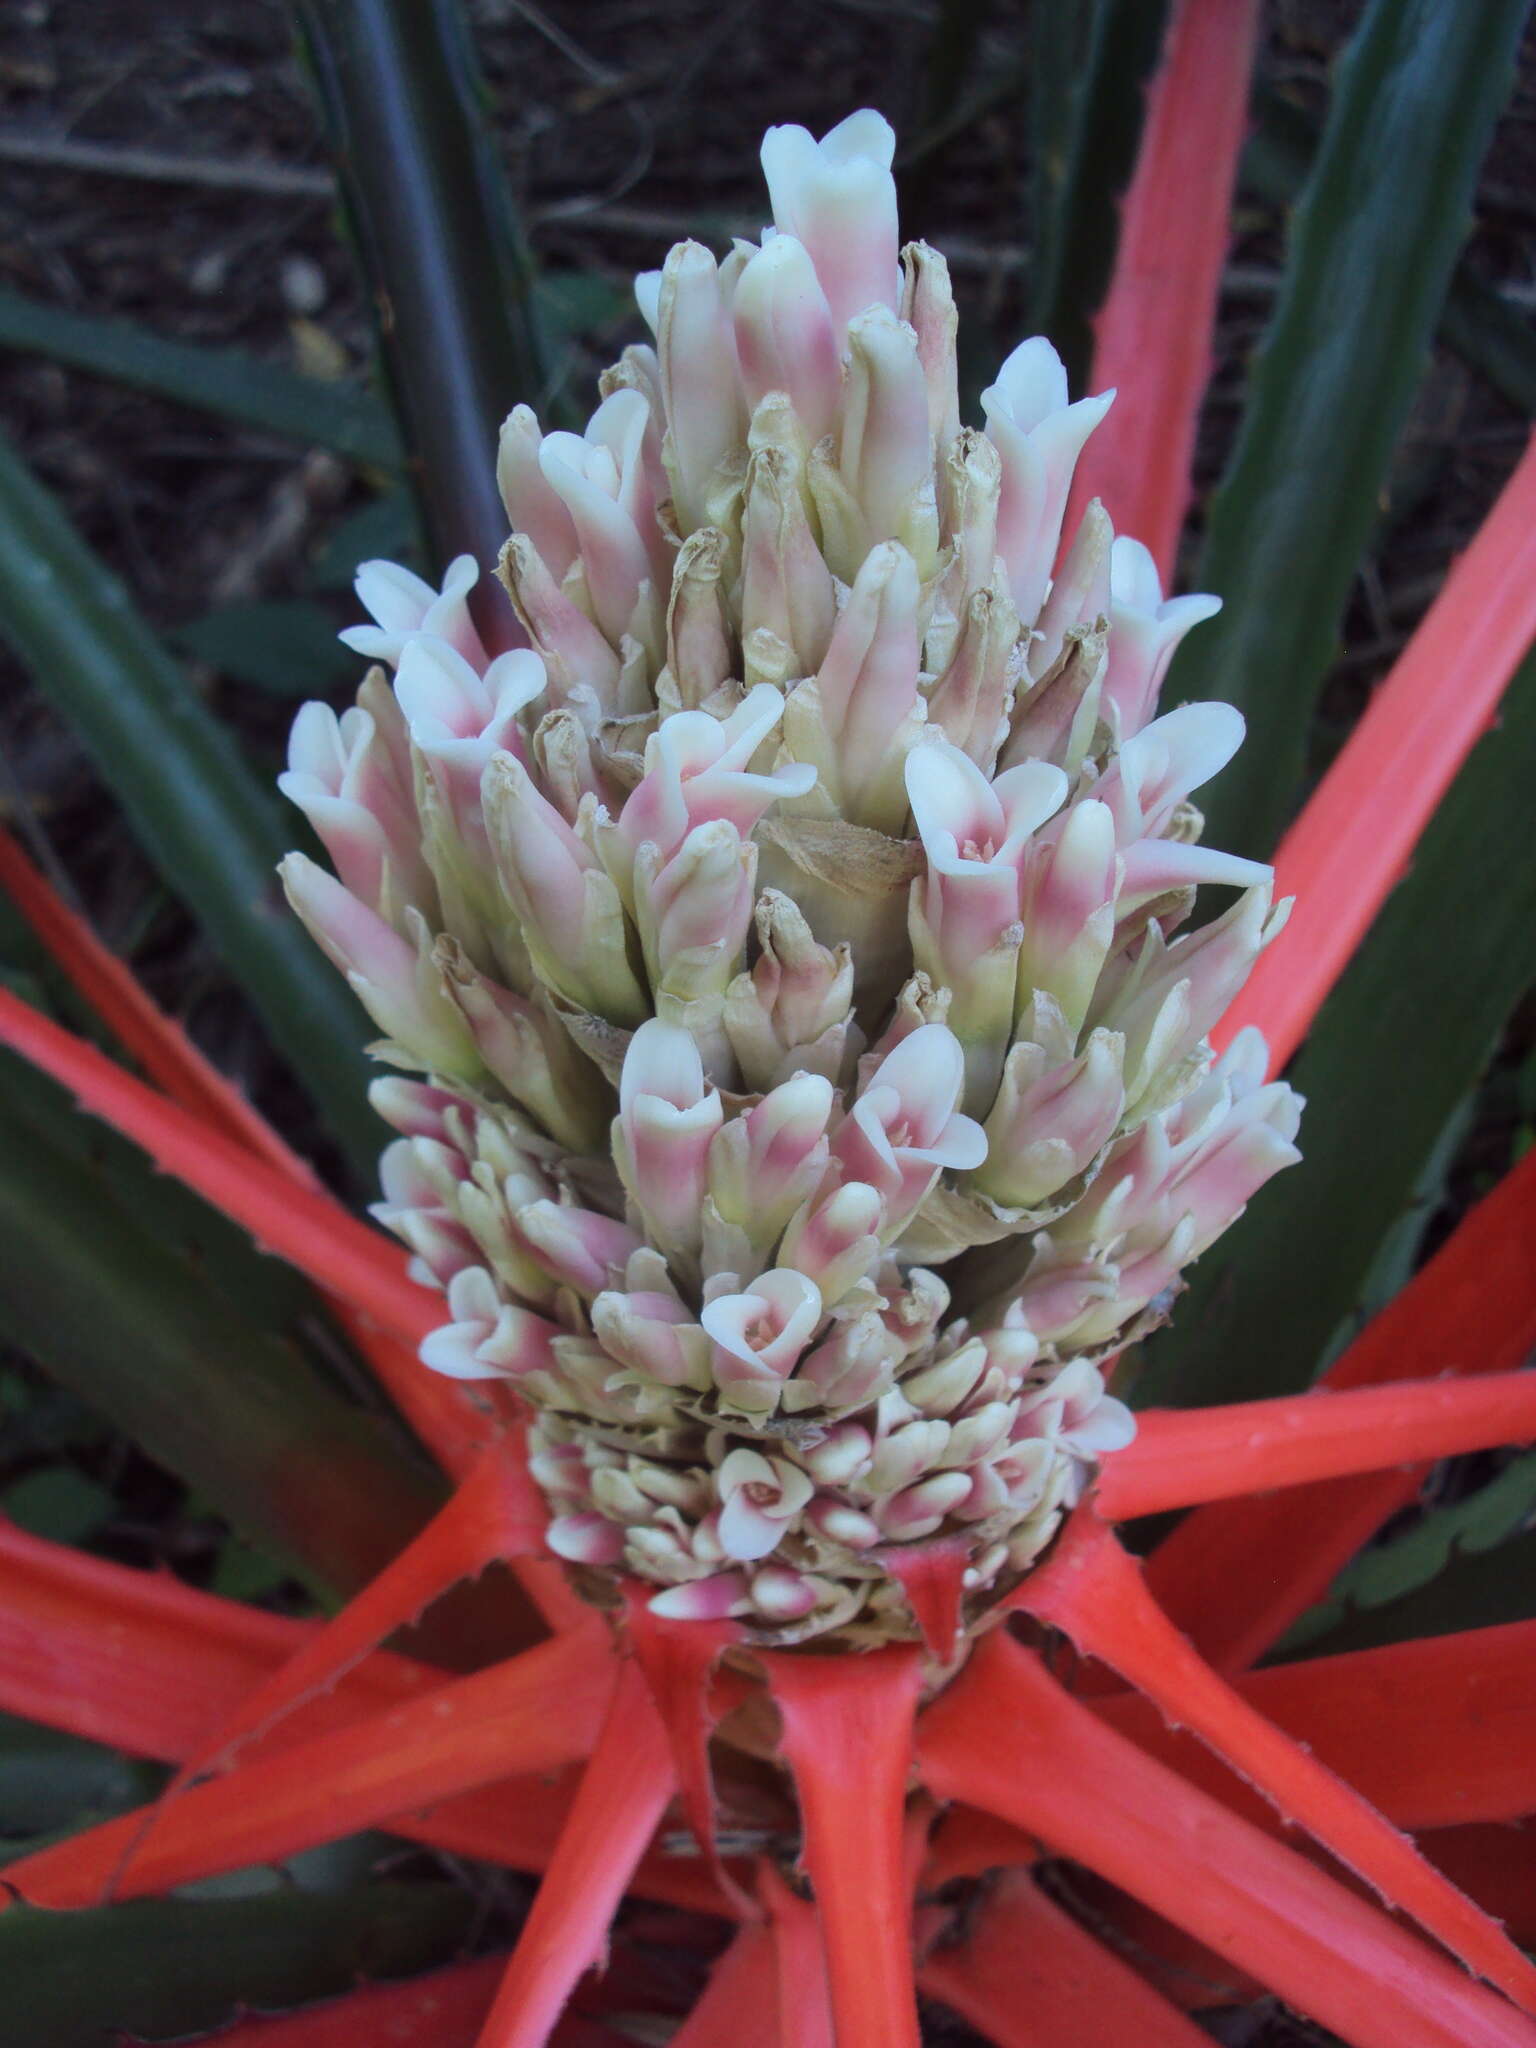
(794, 936)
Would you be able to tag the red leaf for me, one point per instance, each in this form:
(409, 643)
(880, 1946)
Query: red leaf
(308, 1229)
(1238, 1573)
(740, 2005)
(440, 2010)
(1091, 1590)
(1497, 1865)
(1153, 335)
(439, 1411)
(932, 1575)
(533, 1713)
(1353, 840)
(1027, 1975)
(677, 1660)
(155, 1041)
(1182, 1457)
(495, 1513)
(624, 1789)
(800, 1966)
(1431, 1732)
(847, 1735)
(1006, 1737)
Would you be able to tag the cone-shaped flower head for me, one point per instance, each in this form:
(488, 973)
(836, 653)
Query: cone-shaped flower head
(792, 940)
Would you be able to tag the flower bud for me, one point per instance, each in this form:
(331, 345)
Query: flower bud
(667, 1119)
(699, 381)
(792, 1010)
(1039, 437)
(1050, 1123)
(838, 198)
(785, 336)
(568, 907)
(886, 452)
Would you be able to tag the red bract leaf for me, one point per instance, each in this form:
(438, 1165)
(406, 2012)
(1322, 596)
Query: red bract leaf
(441, 2010)
(800, 1967)
(1354, 838)
(1092, 1591)
(1029, 1976)
(1180, 1458)
(1497, 1865)
(847, 1737)
(1237, 1574)
(533, 1713)
(677, 1660)
(624, 1790)
(1154, 334)
(932, 1575)
(155, 1041)
(740, 2005)
(439, 1412)
(137, 1660)
(1006, 1737)
(496, 1513)
(314, 1233)
(1432, 1732)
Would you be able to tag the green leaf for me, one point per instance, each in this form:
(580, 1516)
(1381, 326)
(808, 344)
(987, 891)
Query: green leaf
(404, 105)
(1400, 1043)
(227, 381)
(50, 1781)
(1089, 77)
(210, 828)
(58, 1502)
(1371, 250)
(1485, 330)
(1390, 1571)
(161, 1968)
(286, 646)
(111, 1306)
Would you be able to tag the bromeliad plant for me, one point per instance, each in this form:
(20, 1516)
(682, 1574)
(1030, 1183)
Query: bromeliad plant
(784, 940)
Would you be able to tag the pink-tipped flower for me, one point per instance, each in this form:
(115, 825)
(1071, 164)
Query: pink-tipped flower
(761, 1499)
(568, 908)
(838, 198)
(793, 1009)
(1070, 885)
(757, 1337)
(343, 778)
(458, 718)
(1039, 436)
(1050, 1122)
(402, 605)
(965, 915)
(698, 768)
(1146, 631)
(763, 1165)
(668, 1116)
(886, 454)
(488, 1338)
(836, 1240)
(865, 713)
(599, 480)
(905, 1128)
(393, 978)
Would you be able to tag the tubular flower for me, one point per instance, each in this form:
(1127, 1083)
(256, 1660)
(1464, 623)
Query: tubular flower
(794, 941)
